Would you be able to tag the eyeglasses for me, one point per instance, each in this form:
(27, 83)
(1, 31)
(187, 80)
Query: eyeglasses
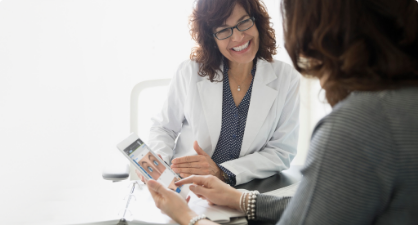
(241, 26)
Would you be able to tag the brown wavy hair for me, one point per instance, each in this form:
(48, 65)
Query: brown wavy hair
(361, 45)
(210, 14)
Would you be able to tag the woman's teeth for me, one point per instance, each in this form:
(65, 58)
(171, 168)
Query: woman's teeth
(242, 47)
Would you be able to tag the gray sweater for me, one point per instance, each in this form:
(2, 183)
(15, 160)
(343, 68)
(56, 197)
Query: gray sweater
(362, 165)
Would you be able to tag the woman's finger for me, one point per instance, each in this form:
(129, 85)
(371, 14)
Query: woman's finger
(186, 159)
(140, 176)
(199, 180)
(201, 196)
(198, 149)
(183, 175)
(199, 190)
(155, 195)
(190, 165)
(196, 171)
(156, 187)
(157, 192)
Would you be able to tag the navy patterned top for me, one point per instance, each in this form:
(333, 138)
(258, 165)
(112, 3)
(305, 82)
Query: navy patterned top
(233, 126)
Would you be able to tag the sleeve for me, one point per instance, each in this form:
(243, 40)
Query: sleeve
(280, 149)
(167, 124)
(270, 208)
(348, 176)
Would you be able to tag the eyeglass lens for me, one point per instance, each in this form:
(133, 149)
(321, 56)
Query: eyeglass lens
(242, 26)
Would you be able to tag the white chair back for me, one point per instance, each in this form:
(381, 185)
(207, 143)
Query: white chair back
(147, 98)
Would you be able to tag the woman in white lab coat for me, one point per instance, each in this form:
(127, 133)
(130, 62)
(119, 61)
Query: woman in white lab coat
(232, 110)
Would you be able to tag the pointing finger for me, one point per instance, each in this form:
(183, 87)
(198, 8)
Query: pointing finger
(199, 180)
(199, 190)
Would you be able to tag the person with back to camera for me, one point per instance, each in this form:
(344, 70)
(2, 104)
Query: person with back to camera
(362, 165)
(233, 108)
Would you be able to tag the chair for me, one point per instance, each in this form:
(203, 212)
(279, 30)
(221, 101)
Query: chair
(147, 98)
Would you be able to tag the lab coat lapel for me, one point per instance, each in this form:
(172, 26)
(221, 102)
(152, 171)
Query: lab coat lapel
(262, 99)
(210, 94)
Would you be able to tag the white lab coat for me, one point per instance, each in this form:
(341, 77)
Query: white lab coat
(193, 111)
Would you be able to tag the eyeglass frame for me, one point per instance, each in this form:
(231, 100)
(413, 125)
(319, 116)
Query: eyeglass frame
(232, 28)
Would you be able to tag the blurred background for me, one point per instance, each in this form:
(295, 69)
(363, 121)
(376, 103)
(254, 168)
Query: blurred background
(67, 69)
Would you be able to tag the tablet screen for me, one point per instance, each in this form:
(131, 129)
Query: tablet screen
(151, 165)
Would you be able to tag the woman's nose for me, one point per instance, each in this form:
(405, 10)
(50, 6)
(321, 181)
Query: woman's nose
(237, 35)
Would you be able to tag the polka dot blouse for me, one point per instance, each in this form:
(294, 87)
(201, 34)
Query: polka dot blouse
(233, 126)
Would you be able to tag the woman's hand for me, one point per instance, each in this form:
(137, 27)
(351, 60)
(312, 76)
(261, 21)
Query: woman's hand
(171, 203)
(200, 164)
(213, 190)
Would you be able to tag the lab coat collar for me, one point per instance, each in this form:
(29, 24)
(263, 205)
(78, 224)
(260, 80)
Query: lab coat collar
(262, 98)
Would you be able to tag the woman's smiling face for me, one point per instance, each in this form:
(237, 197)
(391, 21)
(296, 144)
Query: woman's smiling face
(242, 46)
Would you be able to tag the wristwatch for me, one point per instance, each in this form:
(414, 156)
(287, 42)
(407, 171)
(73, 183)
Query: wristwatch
(226, 178)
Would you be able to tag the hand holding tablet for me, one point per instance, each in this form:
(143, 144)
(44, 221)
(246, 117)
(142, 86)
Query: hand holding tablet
(149, 164)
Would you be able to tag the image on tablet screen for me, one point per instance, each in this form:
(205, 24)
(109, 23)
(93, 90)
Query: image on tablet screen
(151, 165)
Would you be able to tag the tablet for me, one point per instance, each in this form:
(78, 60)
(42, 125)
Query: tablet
(151, 166)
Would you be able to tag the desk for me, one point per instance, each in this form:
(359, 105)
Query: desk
(279, 180)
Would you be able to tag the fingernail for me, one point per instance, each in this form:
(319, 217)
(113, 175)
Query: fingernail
(192, 187)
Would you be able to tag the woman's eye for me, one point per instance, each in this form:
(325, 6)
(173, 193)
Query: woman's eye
(155, 162)
(150, 169)
(224, 31)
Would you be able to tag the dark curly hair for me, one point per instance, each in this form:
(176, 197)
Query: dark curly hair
(361, 45)
(209, 14)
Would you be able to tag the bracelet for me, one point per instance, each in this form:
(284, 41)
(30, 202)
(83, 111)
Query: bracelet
(197, 218)
(250, 209)
(240, 202)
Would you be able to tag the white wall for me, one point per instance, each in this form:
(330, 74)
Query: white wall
(66, 72)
